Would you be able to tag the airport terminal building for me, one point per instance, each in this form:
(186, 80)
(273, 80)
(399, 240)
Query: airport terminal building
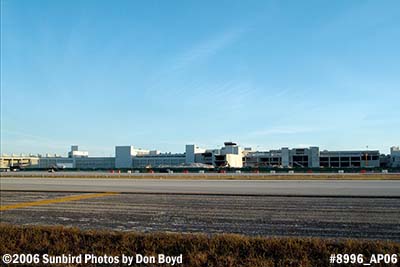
(394, 157)
(230, 155)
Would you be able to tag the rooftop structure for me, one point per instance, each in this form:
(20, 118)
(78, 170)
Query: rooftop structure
(75, 153)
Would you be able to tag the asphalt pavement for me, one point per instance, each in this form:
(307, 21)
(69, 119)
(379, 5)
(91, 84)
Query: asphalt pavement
(341, 188)
(333, 217)
(309, 208)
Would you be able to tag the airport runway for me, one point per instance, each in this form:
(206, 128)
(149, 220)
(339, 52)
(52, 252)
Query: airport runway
(333, 217)
(351, 188)
(337, 209)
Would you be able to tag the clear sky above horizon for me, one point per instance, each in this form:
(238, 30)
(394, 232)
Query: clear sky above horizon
(161, 74)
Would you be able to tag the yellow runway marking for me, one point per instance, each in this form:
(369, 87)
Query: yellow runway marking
(54, 200)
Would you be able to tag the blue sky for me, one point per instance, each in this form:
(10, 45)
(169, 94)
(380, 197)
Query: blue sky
(160, 74)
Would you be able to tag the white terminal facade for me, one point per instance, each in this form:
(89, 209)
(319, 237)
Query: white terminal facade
(395, 156)
(229, 156)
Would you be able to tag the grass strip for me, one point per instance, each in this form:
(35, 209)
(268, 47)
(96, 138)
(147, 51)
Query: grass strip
(197, 249)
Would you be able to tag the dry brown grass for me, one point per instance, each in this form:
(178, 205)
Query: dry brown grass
(197, 249)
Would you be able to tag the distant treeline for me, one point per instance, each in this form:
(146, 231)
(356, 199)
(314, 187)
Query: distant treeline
(197, 249)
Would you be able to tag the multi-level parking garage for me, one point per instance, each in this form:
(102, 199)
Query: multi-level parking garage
(285, 157)
(229, 156)
(344, 159)
(313, 158)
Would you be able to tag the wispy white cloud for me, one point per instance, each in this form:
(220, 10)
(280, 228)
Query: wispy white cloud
(21, 142)
(304, 145)
(16, 141)
(173, 70)
(279, 131)
(281, 92)
(34, 139)
(206, 49)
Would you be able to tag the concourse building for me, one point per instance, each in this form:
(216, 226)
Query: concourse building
(395, 156)
(284, 157)
(230, 155)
